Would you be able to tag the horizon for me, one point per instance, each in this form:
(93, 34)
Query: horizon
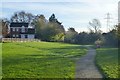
(71, 14)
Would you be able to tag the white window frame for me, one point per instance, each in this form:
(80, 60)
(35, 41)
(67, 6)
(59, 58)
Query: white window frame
(17, 29)
(13, 35)
(13, 29)
(23, 29)
(17, 35)
(23, 36)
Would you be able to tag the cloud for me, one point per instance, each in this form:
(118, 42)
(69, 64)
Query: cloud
(44, 0)
(73, 13)
(88, 1)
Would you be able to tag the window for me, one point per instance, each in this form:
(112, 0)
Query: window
(20, 29)
(17, 29)
(13, 29)
(23, 29)
(13, 35)
(26, 36)
(17, 35)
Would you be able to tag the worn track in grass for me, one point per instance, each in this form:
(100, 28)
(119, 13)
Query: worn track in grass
(85, 66)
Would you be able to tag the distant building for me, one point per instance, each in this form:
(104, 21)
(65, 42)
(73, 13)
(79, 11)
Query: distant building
(21, 30)
(119, 12)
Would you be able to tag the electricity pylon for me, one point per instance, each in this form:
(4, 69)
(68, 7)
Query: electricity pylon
(108, 18)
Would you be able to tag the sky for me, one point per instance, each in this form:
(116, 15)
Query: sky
(72, 13)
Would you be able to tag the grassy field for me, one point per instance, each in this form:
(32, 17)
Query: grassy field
(40, 59)
(107, 60)
(0, 60)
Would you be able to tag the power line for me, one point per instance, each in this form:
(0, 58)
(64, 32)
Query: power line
(108, 18)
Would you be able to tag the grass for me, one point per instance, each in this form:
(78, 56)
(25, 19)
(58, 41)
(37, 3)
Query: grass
(0, 60)
(40, 59)
(107, 60)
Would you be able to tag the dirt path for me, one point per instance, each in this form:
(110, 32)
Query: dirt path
(85, 66)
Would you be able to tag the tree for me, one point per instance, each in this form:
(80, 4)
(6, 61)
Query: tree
(118, 34)
(110, 38)
(52, 18)
(70, 35)
(57, 27)
(118, 31)
(96, 25)
(71, 29)
(30, 17)
(40, 25)
(22, 16)
(4, 28)
(0, 29)
(14, 18)
(81, 38)
(49, 31)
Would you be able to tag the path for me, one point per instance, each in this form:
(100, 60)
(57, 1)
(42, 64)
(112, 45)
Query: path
(85, 66)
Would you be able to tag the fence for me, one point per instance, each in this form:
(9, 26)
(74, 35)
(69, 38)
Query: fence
(19, 40)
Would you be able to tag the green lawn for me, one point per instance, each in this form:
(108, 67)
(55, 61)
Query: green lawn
(0, 60)
(107, 60)
(40, 59)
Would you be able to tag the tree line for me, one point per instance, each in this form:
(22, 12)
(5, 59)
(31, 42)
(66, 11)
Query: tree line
(53, 30)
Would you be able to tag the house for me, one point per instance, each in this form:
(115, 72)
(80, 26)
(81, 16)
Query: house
(22, 30)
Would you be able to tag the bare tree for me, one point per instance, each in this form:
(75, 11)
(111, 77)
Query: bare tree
(22, 17)
(96, 25)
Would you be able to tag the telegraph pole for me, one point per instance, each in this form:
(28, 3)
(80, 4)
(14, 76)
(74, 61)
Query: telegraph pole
(108, 21)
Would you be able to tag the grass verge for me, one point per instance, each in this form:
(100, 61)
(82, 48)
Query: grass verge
(40, 59)
(107, 61)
